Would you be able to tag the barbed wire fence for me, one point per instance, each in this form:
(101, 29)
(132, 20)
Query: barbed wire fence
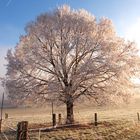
(58, 122)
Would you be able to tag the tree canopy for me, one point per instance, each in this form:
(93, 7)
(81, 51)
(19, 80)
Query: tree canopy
(69, 54)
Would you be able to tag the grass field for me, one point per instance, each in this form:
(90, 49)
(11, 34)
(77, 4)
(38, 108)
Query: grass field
(114, 123)
(111, 130)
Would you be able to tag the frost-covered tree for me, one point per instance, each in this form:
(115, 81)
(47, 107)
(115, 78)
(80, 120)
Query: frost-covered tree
(68, 54)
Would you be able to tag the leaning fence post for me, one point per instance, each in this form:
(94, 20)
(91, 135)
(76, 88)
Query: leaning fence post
(95, 119)
(54, 119)
(138, 116)
(59, 119)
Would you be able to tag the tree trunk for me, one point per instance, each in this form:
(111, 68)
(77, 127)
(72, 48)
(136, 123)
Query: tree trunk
(70, 115)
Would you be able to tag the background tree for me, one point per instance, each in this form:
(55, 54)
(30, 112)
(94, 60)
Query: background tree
(66, 55)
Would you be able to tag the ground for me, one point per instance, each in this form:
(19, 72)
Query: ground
(110, 130)
(114, 123)
(106, 131)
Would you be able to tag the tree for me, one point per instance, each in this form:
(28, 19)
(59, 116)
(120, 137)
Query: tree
(68, 54)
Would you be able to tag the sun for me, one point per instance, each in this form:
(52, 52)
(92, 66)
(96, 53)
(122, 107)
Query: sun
(133, 33)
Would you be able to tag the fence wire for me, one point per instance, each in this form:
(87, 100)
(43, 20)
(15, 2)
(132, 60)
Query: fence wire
(81, 117)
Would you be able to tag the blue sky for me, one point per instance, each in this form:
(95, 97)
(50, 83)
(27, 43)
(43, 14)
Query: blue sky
(15, 14)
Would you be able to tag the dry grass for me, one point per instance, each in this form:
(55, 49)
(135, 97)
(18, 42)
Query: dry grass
(114, 130)
(118, 123)
(111, 130)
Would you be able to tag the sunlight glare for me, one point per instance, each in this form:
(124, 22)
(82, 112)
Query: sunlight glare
(133, 33)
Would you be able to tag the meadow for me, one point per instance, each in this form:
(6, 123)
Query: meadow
(115, 123)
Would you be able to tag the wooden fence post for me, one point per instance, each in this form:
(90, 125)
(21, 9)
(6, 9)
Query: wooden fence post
(19, 131)
(0, 125)
(54, 119)
(39, 134)
(25, 130)
(22, 130)
(59, 119)
(6, 115)
(95, 119)
(1, 112)
(138, 116)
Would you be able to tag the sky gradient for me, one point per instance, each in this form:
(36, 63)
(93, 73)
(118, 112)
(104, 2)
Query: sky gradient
(15, 14)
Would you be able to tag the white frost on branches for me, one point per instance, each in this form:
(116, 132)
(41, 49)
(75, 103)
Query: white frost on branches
(66, 55)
